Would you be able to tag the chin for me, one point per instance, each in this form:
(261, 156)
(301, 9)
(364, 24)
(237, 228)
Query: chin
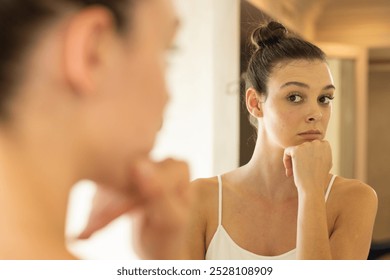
(144, 149)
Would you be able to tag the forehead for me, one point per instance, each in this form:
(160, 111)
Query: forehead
(159, 13)
(152, 25)
(306, 71)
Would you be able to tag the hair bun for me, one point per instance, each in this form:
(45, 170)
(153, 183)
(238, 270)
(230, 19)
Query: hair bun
(269, 34)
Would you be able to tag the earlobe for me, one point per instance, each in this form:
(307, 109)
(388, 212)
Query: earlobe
(253, 103)
(82, 54)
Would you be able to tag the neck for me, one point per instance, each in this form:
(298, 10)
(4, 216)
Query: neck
(267, 171)
(35, 180)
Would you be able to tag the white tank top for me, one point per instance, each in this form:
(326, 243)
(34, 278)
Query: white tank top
(223, 247)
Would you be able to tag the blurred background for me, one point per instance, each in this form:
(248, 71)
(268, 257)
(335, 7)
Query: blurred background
(206, 122)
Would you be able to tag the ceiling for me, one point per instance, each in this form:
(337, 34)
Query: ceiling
(364, 23)
(361, 22)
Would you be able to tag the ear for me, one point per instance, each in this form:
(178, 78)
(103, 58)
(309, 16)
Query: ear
(253, 103)
(84, 41)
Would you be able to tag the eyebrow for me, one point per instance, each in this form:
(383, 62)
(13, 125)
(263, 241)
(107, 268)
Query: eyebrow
(300, 84)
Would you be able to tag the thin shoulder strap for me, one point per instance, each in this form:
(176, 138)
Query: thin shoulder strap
(329, 187)
(219, 200)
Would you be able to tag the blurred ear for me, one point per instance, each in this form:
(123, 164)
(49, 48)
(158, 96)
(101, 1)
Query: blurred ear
(253, 103)
(84, 47)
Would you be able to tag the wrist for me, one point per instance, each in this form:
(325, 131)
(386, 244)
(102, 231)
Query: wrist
(310, 191)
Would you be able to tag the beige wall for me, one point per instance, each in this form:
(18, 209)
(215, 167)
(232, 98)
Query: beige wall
(379, 148)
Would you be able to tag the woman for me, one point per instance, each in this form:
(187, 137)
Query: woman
(284, 204)
(82, 97)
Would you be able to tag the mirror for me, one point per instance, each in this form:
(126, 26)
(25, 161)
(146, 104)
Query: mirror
(357, 42)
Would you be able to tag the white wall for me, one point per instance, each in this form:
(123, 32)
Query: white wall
(202, 121)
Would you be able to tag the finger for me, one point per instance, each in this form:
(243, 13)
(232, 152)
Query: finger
(100, 220)
(287, 161)
(154, 179)
(107, 206)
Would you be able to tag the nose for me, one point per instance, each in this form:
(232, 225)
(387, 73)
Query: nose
(314, 115)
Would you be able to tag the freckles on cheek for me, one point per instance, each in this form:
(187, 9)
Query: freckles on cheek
(289, 115)
(285, 119)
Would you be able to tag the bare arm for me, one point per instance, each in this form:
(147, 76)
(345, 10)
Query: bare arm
(205, 203)
(312, 229)
(196, 237)
(352, 234)
(356, 205)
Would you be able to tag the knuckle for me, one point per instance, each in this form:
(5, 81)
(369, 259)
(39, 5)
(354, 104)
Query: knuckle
(176, 167)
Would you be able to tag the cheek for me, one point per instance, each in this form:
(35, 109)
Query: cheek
(281, 124)
(326, 116)
(147, 98)
(133, 103)
(150, 88)
(284, 118)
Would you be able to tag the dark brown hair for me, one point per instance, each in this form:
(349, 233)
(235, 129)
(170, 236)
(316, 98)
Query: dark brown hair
(272, 45)
(22, 20)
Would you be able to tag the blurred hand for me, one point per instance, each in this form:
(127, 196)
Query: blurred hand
(159, 200)
(309, 163)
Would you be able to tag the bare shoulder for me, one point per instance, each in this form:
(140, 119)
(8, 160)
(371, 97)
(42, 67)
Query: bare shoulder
(354, 192)
(206, 191)
(204, 184)
(355, 188)
(205, 211)
(352, 208)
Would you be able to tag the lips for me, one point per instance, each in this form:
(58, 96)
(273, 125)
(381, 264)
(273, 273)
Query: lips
(311, 134)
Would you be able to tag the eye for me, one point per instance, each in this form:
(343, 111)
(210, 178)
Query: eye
(295, 98)
(325, 99)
